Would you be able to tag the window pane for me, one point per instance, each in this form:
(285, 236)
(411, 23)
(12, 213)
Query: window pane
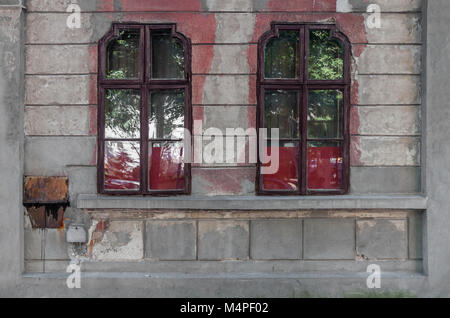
(324, 165)
(287, 176)
(281, 111)
(282, 56)
(167, 56)
(166, 166)
(122, 165)
(325, 113)
(166, 114)
(122, 119)
(326, 57)
(122, 56)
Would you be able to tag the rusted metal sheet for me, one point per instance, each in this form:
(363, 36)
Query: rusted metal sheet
(49, 216)
(42, 190)
(46, 199)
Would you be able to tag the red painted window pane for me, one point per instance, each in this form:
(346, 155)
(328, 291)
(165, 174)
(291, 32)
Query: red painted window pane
(122, 165)
(324, 165)
(166, 166)
(287, 176)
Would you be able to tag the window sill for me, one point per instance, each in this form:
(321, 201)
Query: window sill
(256, 203)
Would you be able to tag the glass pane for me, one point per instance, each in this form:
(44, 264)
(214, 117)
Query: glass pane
(281, 111)
(166, 166)
(167, 56)
(325, 113)
(325, 165)
(122, 165)
(287, 176)
(122, 113)
(122, 56)
(282, 56)
(326, 57)
(166, 114)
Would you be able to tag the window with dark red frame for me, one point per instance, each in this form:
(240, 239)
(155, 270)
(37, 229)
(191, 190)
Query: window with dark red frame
(144, 106)
(303, 90)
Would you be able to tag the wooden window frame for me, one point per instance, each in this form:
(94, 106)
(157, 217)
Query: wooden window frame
(144, 84)
(302, 85)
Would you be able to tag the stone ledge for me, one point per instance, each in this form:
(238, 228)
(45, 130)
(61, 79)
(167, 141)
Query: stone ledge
(254, 203)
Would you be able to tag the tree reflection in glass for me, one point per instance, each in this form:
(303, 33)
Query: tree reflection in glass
(326, 56)
(166, 114)
(122, 58)
(282, 56)
(281, 111)
(325, 113)
(122, 108)
(167, 61)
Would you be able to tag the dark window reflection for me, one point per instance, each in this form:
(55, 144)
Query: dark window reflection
(167, 56)
(282, 56)
(122, 165)
(326, 56)
(281, 111)
(325, 113)
(122, 119)
(122, 56)
(325, 165)
(166, 114)
(166, 165)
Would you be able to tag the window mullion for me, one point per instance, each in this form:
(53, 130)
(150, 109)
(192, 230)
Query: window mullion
(144, 139)
(303, 104)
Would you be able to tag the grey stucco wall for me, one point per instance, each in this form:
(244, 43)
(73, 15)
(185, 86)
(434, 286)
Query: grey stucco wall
(11, 143)
(231, 278)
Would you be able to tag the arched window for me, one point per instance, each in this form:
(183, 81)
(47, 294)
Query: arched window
(303, 90)
(144, 106)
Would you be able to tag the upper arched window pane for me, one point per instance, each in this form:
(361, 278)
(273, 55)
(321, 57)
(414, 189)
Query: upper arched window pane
(326, 56)
(122, 55)
(281, 56)
(167, 60)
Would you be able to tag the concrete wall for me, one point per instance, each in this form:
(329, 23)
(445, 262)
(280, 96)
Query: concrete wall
(60, 112)
(396, 143)
(11, 143)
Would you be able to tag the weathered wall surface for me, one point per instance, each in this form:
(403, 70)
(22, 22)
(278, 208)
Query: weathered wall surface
(60, 114)
(60, 140)
(11, 142)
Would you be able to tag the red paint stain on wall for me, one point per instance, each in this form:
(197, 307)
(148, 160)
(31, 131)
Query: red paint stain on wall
(353, 26)
(198, 113)
(355, 151)
(358, 49)
(252, 90)
(202, 56)
(354, 121)
(251, 116)
(225, 181)
(199, 27)
(93, 120)
(198, 82)
(161, 5)
(93, 89)
(97, 235)
(252, 58)
(354, 98)
(93, 59)
(105, 5)
(301, 5)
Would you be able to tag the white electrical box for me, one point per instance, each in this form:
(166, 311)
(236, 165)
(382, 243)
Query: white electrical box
(76, 234)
